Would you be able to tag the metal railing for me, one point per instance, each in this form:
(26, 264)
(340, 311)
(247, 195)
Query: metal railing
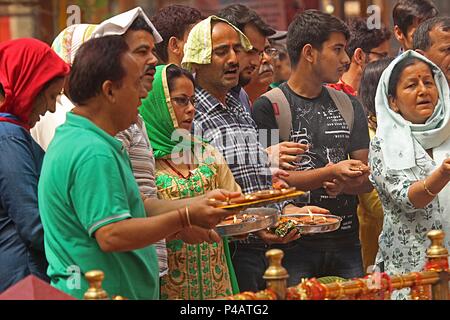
(430, 284)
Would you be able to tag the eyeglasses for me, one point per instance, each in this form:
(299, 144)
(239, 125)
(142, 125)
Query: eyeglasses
(183, 101)
(271, 52)
(381, 55)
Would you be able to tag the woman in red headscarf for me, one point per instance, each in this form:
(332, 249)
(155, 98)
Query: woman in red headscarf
(31, 77)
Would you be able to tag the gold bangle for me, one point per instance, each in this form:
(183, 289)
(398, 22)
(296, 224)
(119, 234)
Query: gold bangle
(180, 215)
(431, 194)
(188, 218)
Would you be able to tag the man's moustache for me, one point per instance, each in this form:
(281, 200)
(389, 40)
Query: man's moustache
(266, 67)
(149, 68)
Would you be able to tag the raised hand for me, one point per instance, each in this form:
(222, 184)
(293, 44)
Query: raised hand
(444, 169)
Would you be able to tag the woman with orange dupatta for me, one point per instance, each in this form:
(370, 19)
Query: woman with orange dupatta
(31, 77)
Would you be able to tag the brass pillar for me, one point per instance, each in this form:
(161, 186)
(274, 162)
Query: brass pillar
(437, 256)
(95, 291)
(276, 276)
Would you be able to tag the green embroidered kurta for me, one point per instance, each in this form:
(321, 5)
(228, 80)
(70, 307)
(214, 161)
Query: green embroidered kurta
(202, 271)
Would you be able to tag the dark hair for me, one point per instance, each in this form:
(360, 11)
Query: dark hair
(2, 92)
(422, 39)
(363, 37)
(174, 72)
(369, 83)
(312, 27)
(398, 70)
(173, 21)
(50, 82)
(405, 11)
(97, 61)
(140, 24)
(240, 16)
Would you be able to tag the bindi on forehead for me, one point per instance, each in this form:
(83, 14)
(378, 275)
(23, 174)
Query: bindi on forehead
(418, 70)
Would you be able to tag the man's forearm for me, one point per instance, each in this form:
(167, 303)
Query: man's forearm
(155, 206)
(310, 179)
(137, 233)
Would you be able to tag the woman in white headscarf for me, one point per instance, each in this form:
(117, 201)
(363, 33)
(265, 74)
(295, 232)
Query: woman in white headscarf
(65, 45)
(410, 161)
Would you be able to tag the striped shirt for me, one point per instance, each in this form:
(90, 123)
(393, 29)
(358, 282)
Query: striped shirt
(136, 142)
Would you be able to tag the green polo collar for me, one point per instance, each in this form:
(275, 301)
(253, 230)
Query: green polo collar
(84, 123)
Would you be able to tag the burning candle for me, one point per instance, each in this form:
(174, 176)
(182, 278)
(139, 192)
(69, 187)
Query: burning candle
(311, 215)
(230, 220)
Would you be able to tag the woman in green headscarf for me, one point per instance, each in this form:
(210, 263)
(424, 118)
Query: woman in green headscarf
(186, 167)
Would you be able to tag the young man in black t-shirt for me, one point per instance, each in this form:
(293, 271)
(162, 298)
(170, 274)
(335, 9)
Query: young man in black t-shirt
(316, 46)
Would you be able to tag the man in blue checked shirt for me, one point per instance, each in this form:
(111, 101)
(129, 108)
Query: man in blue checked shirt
(222, 121)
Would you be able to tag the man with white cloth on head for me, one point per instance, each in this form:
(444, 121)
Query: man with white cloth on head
(141, 36)
(66, 46)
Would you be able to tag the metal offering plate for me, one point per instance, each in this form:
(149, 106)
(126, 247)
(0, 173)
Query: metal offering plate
(258, 199)
(247, 221)
(315, 223)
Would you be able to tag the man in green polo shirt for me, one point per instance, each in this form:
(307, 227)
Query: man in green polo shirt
(90, 205)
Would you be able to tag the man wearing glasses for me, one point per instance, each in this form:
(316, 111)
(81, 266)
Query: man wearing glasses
(365, 46)
(261, 80)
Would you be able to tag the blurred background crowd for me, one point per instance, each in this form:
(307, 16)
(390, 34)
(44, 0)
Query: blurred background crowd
(44, 19)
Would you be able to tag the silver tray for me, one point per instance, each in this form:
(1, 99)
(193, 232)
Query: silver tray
(262, 218)
(318, 228)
